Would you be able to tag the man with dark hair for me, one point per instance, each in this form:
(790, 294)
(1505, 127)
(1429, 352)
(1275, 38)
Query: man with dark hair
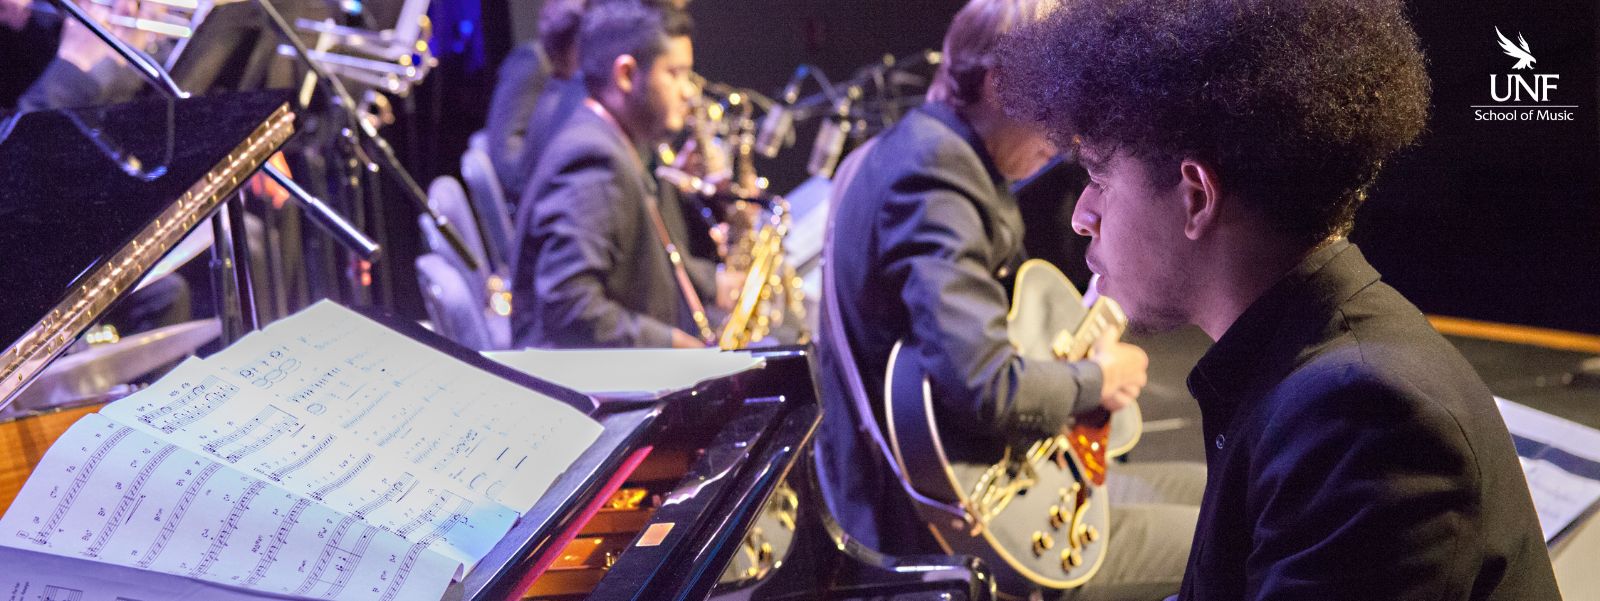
(926, 235)
(598, 263)
(538, 87)
(1352, 452)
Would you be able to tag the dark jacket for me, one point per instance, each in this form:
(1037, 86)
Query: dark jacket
(1354, 454)
(924, 235)
(520, 81)
(559, 98)
(590, 270)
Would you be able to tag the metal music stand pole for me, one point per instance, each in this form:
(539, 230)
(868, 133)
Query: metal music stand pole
(325, 217)
(383, 153)
(230, 278)
(232, 309)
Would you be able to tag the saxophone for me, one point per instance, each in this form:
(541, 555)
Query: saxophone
(753, 222)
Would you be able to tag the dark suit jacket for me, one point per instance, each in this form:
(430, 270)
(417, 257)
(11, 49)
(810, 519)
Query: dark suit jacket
(590, 270)
(559, 99)
(519, 82)
(925, 233)
(1354, 454)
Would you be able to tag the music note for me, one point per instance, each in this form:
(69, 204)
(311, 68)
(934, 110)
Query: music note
(324, 456)
(181, 513)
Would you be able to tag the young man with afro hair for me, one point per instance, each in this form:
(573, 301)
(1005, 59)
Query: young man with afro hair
(1352, 452)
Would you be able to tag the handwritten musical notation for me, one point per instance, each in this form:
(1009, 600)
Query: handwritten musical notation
(255, 434)
(347, 373)
(33, 576)
(225, 526)
(326, 457)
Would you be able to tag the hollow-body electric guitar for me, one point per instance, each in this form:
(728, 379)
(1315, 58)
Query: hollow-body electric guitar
(1034, 510)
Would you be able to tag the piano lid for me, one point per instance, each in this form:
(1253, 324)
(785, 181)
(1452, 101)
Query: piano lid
(91, 198)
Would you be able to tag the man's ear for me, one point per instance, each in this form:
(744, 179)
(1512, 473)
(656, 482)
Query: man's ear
(623, 70)
(1202, 198)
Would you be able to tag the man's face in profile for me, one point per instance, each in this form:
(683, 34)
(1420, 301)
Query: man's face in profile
(1138, 244)
(663, 91)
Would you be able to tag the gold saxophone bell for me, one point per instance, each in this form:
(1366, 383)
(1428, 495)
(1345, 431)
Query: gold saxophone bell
(722, 134)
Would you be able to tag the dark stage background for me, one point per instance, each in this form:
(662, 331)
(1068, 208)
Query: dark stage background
(1493, 220)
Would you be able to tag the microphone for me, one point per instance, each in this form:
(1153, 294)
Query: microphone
(777, 131)
(829, 146)
(777, 128)
(791, 90)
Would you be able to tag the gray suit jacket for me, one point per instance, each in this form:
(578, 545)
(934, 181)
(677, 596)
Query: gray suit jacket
(590, 269)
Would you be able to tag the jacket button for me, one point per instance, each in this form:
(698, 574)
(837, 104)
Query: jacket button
(1221, 440)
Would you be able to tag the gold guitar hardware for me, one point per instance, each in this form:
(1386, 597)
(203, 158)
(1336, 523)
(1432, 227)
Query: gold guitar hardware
(1042, 542)
(1060, 475)
(1069, 496)
(1071, 558)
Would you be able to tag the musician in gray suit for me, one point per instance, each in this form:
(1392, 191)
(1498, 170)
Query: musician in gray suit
(599, 261)
(926, 232)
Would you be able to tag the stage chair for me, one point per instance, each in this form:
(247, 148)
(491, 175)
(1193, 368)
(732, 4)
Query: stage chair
(490, 204)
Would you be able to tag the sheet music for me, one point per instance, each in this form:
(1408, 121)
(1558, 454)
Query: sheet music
(324, 457)
(352, 376)
(34, 576)
(200, 409)
(1561, 460)
(1534, 424)
(115, 494)
(1559, 496)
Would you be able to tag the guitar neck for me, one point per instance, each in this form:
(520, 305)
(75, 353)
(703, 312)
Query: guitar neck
(1105, 317)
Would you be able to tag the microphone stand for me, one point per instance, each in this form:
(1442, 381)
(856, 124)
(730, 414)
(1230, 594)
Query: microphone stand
(223, 254)
(365, 132)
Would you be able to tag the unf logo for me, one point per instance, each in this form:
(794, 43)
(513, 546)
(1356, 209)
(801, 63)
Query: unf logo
(1517, 87)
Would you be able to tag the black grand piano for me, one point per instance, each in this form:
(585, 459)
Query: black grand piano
(701, 493)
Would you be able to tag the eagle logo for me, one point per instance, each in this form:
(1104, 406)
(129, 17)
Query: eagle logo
(1523, 54)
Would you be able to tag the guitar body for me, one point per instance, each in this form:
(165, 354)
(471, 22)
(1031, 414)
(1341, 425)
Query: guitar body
(1043, 303)
(1034, 511)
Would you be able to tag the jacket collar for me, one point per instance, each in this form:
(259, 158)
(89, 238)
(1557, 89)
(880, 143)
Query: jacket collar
(619, 134)
(951, 118)
(1278, 331)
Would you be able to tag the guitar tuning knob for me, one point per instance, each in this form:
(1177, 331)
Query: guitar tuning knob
(1071, 558)
(1042, 542)
(1058, 517)
(1091, 534)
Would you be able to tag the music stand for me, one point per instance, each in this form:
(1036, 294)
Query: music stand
(234, 49)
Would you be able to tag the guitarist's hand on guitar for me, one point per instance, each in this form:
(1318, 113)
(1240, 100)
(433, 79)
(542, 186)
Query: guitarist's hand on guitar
(1122, 367)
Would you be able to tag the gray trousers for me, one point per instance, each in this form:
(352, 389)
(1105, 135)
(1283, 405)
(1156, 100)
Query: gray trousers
(1154, 506)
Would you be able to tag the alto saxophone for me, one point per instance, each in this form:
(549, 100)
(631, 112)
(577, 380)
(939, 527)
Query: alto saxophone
(753, 226)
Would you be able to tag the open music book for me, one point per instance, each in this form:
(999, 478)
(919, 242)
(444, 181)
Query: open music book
(326, 456)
